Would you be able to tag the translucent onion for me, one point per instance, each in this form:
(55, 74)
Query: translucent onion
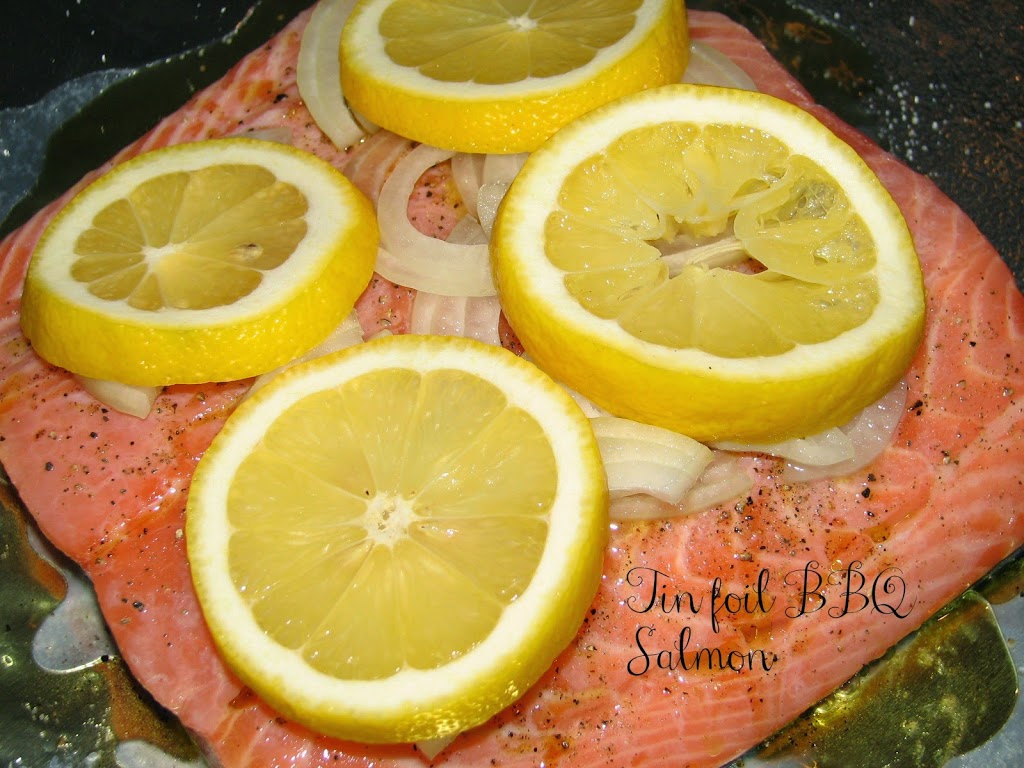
(474, 317)
(348, 333)
(869, 432)
(472, 173)
(829, 447)
(488, 199)
(431, 748)
(372, 160)
(497, 174)
(468, 232)
(502, 167)
(656, 474)
(468, 175)
(640, 458)
(590, 409)
(709, 66)
(135, 401)
(724, 480)
(318, 74)
(839, 450)
(414, 260)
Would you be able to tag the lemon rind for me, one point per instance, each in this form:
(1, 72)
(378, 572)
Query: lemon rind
(507, 118)
(369, 56)
(285, 316)
(334, 202)
(412, 705)
(534, 294)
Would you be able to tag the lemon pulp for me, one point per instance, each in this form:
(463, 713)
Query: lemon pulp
(500, 44)
(712, 261)
(422, 512)
(392, 543)
(207, 261)
(191, 239)
(480, 76)
(715, 238)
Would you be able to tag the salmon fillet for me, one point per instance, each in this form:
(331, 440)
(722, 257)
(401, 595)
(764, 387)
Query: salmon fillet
(708, 632)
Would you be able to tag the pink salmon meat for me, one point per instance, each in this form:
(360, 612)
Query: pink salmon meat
(708, 633)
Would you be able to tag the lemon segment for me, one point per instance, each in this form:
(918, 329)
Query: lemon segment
(393, 542)
(211, 261)
(711, 261)
(481, 76)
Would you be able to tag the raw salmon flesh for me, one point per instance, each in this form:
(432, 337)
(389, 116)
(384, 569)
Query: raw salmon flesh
(708, 633)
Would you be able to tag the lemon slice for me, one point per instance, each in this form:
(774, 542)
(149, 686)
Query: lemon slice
(393, 542)
(712, 261)
(481, 76)
(211, 261)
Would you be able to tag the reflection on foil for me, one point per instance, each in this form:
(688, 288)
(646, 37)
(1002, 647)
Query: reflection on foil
(92, 714)
(67, 700)
(25, 131)
(945, 696)
(142, 754)
(74, 636)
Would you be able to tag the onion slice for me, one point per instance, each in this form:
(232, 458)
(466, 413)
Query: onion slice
(709, 66)
(870, 432)
(723, 480)
(126, 398)
(372, 159)
(468, 175)
(318, 73)
(474, 317)
(414, 260)
(640, 458)
(468, 231)
(502, 167)
(589, 408)
(840, 450)
(497, 175)
(472, 173)
(829, 447)
(488, 199)
(348, 333)
(431, 748)
(138, 401)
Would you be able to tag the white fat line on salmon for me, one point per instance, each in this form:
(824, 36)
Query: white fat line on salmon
(885, 593)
